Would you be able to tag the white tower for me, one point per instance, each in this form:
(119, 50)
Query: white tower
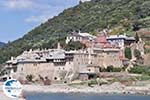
(58, 46)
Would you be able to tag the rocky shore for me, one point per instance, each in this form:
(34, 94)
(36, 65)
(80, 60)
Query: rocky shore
(115, 88)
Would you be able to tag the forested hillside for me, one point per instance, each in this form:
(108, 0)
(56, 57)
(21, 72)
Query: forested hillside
(119, 15)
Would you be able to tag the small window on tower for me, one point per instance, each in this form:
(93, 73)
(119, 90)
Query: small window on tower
(55, 78)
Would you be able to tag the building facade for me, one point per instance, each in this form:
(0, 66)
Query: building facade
(81, 37)
(120, 40)
(59, 65)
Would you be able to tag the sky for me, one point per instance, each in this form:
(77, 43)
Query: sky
(17, 17)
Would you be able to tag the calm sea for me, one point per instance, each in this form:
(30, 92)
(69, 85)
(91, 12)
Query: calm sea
(78, 96)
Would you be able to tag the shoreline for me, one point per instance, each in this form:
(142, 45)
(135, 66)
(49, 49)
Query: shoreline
(105, 89)
(111, 89)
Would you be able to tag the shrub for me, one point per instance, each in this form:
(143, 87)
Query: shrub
(140, 70)
(29, 78)
(117, 69)
(109, 69)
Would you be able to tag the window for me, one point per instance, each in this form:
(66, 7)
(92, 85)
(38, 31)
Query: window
(35, 64)
(15, 69)
(55, 78)
(76, 59)
(21, 69)
(69, 62)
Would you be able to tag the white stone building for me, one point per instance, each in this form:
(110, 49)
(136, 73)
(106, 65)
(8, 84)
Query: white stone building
(59, 65)
(79, 37)
(120, 40)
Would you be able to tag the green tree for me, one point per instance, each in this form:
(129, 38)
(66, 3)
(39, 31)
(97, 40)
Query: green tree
(136, 38)
(74, 45)
(137, 53)
(109, 68)
(136, 26)
(128, 53)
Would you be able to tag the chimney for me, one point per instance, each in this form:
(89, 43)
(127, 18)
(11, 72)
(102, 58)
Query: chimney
(58, 46)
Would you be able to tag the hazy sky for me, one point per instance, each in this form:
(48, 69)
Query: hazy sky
(17, 17)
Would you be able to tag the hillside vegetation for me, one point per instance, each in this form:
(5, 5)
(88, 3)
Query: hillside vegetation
(2, 44)
(119, 15)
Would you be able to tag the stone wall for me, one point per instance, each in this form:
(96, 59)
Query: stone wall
(50, 70)
(34, 69)
(147, 60)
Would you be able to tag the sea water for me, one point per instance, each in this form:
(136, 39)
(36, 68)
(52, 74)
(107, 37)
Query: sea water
(81, 96)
